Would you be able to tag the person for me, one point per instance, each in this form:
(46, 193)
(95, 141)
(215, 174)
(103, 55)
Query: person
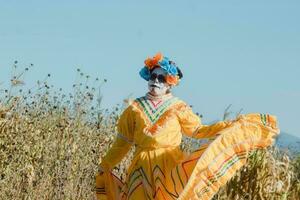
(154, 123)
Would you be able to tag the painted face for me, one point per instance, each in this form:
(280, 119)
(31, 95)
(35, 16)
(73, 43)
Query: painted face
(157, 85)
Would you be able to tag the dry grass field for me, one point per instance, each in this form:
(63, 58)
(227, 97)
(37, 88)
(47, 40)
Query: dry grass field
(50, 144)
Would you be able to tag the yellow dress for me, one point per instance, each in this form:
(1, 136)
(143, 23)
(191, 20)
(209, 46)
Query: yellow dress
(160, 170)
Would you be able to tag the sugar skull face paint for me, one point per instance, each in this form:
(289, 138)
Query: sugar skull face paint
(157, 85)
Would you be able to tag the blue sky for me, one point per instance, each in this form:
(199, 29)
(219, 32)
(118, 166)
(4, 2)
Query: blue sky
(234, 52)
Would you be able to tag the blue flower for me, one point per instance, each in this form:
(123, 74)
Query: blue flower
(164, 62)
(173, 70)
(145, 73)
(166, 68)
(170, 68)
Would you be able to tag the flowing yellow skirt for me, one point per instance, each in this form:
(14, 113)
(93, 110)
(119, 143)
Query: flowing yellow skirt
(171, 174)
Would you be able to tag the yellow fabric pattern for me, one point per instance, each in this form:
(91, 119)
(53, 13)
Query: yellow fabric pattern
(160, 170)
(122, 143)
(192, 126)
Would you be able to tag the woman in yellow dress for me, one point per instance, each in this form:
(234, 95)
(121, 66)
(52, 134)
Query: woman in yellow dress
(155, 123)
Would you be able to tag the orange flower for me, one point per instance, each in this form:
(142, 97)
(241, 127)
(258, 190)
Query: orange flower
(172, 80)
(151, 62)
(158, 57)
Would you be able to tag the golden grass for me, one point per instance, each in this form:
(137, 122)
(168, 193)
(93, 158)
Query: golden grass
(50, 145)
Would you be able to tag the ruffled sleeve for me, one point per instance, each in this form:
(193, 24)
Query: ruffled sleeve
(123, 141)
(191, 124)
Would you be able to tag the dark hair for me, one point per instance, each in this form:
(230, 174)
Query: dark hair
(179, 73)
(170, 62)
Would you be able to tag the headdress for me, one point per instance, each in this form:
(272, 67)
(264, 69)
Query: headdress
(173, 72)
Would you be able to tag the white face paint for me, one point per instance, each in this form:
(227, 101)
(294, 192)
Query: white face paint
(155, 87)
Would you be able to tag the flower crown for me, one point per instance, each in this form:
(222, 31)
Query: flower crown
(172, 77)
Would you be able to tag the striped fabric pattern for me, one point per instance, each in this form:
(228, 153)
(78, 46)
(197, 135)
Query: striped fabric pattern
(154, 113)
(200, 174)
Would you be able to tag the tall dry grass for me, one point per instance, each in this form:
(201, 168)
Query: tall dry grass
(51, 142)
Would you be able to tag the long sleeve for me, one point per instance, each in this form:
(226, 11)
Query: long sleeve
(191, 124)
(123, 141)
